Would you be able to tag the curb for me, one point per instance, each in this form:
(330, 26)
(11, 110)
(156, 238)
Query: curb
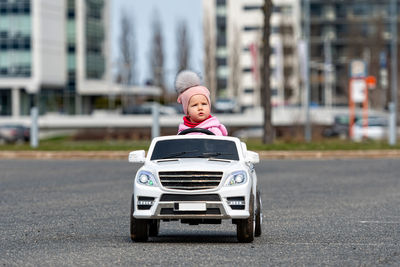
(123, 155)
(337, 154)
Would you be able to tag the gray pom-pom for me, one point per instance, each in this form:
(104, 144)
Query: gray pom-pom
(186, 79)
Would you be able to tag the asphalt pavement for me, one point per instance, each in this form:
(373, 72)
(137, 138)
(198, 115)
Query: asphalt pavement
(270, 154)
(343, 212)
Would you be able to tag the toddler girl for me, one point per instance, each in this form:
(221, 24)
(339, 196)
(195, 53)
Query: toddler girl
(195, 100)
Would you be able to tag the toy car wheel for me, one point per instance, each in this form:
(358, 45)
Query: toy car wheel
(257, 231)
(245, 227)
(154, 227)
(139, 228)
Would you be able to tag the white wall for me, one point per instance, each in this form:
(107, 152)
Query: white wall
(50, 40)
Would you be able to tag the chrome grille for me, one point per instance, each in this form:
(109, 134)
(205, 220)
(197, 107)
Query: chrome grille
(190, 180)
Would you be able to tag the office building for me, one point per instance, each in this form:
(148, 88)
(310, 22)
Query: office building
(233, 36)
(342, 32)
(53, 54)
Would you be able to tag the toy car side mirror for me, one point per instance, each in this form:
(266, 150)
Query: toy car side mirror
(137, 156)
(252, 157)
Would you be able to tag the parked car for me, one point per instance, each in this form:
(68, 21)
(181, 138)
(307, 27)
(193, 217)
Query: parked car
(197, 179)
(340, 127)
(375, 130)
(147, 108)
(13, 133)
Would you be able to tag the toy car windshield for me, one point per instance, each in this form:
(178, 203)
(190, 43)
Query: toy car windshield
(195, 148)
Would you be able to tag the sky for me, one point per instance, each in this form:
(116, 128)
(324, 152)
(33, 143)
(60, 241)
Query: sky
(170, 13)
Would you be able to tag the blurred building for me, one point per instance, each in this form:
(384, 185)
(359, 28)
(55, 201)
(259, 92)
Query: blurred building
(232, 37)
(343, 32)
(53, 54)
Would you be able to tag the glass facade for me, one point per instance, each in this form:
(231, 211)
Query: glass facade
(68, 102)
(221, 44)
(15, 38)
(355, 30)
(71, 46)
(95, 59)
(5, 102)
(16, 55)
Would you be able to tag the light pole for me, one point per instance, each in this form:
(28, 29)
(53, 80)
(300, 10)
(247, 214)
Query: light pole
(307, 128)
(393, 103)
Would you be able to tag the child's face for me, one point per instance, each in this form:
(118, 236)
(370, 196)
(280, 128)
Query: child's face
(198, 108)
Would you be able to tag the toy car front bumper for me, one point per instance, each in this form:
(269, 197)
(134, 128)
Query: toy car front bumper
(225, 202)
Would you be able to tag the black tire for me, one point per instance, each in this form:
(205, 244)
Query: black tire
(257, 230)
(245, 227)
(139, 227)
(154, 228)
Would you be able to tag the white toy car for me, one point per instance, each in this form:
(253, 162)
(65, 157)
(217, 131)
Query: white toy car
(195, 179)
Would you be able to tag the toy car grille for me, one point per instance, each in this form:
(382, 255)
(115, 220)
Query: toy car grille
(190, 180)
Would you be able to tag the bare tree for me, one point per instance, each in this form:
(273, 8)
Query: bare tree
(183, 51)
(265, 71)
(157, 55)
(209, 56)
(126, 67)
(234, 63)
(376, 45)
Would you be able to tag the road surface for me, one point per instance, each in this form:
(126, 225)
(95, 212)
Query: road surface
(316, 212)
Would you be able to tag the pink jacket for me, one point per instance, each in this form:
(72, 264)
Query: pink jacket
(212, 124)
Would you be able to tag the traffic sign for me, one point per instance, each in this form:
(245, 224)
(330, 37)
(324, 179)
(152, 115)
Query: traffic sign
(358, 88)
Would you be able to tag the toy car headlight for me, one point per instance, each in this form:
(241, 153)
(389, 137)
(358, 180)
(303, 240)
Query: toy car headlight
(237, 178)
(146, 178)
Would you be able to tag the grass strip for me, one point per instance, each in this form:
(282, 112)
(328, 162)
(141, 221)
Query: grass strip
(66, 143)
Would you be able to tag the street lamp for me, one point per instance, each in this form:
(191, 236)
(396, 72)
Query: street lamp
(307, 128)
(393, 103)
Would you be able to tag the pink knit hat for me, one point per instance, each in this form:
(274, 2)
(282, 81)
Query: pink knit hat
(187, 84)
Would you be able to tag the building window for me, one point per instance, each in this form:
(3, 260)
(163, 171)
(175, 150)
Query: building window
(252, 7)
(221, 40)
(247, 70)
(248, 90)
(275, 29)
(341, 11)
(222, 83)
(276, 9)
(221, 21)
(95, 59)
(316, 10)
(221, 2)
(5, 102)
(252, 28)
(71, 48)
(361, 9)
(286, 10)
(222, 71)
(221, 61)
(71, 9)
(3, 8)
(221, 11)
(71, 62)
(222, 51)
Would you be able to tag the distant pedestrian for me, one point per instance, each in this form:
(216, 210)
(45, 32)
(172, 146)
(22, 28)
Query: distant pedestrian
(196, 103)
